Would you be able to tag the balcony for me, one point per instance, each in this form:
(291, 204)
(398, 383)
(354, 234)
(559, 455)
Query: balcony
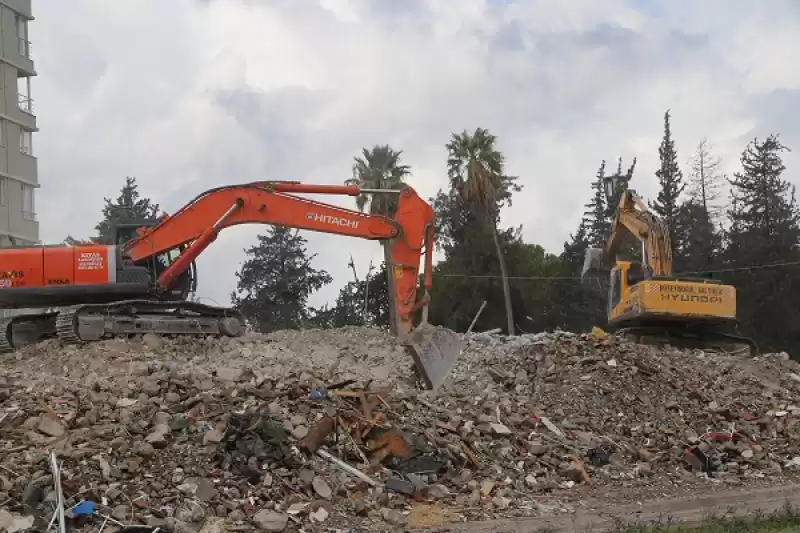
(23, 166)
(26, 228)
(23, 7)
(23, 114)
(25, 103)
(24, 60)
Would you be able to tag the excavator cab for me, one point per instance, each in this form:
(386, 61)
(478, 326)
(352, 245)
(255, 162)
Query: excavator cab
(126, 231)
(186, 283)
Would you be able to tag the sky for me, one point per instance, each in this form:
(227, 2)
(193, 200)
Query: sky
(187, 95)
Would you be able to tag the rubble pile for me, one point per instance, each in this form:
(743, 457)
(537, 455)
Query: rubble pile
(323, 429)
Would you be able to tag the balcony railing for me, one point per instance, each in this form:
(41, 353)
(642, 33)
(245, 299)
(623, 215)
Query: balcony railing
(25, 103)
(24, 46)
(29, 215)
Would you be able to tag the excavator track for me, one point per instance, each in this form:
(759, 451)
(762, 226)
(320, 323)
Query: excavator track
(706, 338)
(94, 322)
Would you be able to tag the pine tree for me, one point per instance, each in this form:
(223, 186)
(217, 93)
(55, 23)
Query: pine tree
(764, 223)
(698, 243)
(575, 248)
(624, 178)
(698, 239)
(595, 214)
(764, 230)
(670, 179)
(129, 207)
(593, 227)
(705, 183)
(276, 280)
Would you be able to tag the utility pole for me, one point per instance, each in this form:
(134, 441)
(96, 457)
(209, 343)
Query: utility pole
(366, 293)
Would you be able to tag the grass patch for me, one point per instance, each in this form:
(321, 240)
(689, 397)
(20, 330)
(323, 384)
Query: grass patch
(784, 520)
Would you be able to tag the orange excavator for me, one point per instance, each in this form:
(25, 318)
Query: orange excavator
(141, 283)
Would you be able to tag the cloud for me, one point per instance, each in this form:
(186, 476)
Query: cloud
(187, 95)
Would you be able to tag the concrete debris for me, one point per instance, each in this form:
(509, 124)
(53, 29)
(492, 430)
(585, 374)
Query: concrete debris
(270, 521)
(312, 429)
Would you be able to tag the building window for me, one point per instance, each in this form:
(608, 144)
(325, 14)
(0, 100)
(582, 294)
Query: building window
(26, 142)
(22, 37)
(28, 202)
(3, 191)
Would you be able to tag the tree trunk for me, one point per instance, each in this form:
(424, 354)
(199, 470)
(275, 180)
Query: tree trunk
(504, 275)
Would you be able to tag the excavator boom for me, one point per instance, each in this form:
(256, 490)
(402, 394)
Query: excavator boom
(196, 226)
(141, 283)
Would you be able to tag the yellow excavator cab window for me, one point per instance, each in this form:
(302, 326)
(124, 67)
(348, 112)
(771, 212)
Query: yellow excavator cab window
(635, 273)
(614, 289)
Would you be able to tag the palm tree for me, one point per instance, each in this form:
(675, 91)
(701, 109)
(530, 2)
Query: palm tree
(475, 169)
(379, 168)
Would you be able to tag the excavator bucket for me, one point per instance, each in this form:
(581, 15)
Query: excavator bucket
(435, 349)
(593, 266)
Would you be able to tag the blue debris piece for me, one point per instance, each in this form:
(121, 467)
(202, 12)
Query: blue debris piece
(317, 394)
(85, 507)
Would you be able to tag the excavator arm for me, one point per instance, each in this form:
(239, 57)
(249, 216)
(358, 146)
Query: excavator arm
(196, 225)
(633, 219)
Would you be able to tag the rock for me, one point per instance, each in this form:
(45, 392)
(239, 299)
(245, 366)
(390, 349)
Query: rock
(121, 513)
(6, 519)
(572, 472)
(230, 374)
(271, 521)
(151, 388)
(205, 490)
(213, 436)
(501, 502)
(306, 476)
(537, 448)
(487, 485)
(644, 469)
(500, 429)
(161, 419)
(144, 449)
(299, 432)
(400, 485)
(321, 488)
(644, 455)
(319, 516)
(153, 342)
(125, 402)
(393, 516)
(157, 439)
(214, 525)
(51, 427)
(438, 491)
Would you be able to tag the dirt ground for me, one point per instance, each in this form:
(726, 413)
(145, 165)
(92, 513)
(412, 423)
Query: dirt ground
(596, 516)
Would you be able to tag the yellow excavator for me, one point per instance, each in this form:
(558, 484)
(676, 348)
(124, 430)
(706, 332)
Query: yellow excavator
(646, 302)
